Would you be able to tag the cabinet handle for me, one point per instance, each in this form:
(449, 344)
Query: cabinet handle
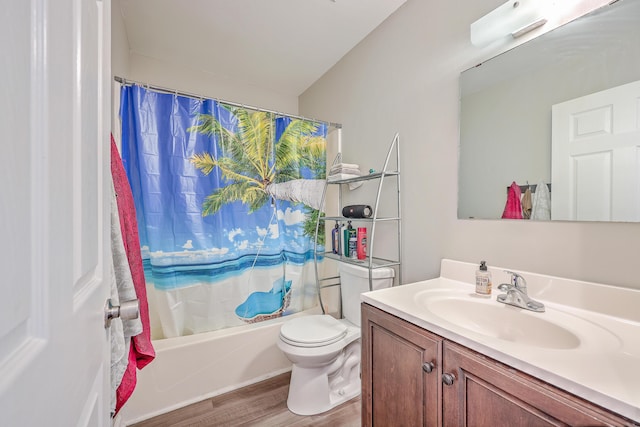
(448, 378)
(428, 367)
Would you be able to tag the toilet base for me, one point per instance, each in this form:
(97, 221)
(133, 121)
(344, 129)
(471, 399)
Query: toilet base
(317, 390)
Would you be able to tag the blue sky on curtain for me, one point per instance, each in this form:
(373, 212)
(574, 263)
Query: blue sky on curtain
(226, 199)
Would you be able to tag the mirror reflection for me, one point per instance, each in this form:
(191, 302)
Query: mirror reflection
(559, 113)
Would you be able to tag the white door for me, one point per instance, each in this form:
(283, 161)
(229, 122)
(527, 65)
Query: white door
(595, 164)
(54, 212)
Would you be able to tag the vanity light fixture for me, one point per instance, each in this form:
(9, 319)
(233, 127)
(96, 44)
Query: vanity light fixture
(513, 18)
(524, 30)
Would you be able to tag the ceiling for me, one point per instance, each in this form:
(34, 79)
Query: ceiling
(280, 45)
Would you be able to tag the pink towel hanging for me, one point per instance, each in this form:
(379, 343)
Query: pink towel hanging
(513, 208)
(141, 351)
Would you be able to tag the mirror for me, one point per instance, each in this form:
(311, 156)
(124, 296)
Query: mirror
(506, 123)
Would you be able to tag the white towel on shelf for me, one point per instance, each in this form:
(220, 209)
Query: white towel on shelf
(349, 171)
(340, 167)
(541, 209)
(340, 171)
(345, 168)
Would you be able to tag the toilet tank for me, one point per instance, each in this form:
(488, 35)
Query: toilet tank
(354, 280)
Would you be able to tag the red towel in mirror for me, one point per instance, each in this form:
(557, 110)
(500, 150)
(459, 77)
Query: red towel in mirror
(513, 208)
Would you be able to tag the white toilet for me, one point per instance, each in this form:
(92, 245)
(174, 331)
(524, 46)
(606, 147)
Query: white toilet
(325, 352)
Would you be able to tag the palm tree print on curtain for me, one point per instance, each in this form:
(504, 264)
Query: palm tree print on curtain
(259, 169)
(226, 203)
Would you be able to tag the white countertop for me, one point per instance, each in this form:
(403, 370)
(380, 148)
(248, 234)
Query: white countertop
(598, 359)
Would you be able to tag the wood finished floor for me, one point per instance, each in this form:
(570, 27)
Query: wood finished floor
(261, 404)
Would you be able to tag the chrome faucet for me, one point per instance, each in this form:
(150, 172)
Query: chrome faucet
(516, 294)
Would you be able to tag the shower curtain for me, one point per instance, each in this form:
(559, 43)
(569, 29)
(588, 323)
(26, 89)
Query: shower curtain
(227, 200)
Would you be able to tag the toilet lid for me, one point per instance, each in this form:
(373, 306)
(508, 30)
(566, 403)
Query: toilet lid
(312, 331)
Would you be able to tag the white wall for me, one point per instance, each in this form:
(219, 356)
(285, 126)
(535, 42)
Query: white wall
(132, 66)
(183, 78)
(120, 63)
(404, 77)
(119, 43)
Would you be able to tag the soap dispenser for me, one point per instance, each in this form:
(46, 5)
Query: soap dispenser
(483, 280)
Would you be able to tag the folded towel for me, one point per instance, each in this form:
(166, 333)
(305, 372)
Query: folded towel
(541, 209)
(513, 208)
(345, 165)
(351, 171)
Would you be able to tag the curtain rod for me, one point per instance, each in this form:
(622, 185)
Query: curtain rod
(124, 81)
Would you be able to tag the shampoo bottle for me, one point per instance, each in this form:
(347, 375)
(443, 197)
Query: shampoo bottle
(362, 243)
(483, 280)
(353, 243)
(347, 236)
(335, 239)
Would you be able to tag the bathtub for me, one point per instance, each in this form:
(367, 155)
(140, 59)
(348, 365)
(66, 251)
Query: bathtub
(192, 368)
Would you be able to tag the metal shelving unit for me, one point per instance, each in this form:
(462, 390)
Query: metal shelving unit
(371, 262)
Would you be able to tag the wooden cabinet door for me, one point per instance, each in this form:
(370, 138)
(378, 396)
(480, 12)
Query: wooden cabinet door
(400, 372)
(486, 393)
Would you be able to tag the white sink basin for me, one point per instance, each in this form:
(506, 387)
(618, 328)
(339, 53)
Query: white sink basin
(503, 322)
(553, 329)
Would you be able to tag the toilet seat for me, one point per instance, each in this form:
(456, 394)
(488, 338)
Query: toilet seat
(313, 331)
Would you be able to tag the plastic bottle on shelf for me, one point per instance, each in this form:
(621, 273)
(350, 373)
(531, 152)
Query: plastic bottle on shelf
(362, 243)
(353, 243)
(347, 235)
(335, 239)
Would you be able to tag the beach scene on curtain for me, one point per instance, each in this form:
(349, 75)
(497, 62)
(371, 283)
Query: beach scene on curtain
(227, 200)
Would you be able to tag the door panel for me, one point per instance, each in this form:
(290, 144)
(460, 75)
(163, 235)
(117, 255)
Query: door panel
(397, 389)
(595, 163)
(54, 168)
(487, 393)
(16, 234)
(86, 156)
(592, 180)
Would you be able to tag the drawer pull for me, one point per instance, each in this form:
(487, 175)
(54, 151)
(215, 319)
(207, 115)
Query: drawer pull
(428, 367)
(448, 378)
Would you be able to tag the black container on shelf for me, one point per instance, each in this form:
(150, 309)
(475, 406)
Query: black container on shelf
(357, 211)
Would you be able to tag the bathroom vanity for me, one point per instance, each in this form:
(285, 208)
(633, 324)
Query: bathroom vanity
(436, 354)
